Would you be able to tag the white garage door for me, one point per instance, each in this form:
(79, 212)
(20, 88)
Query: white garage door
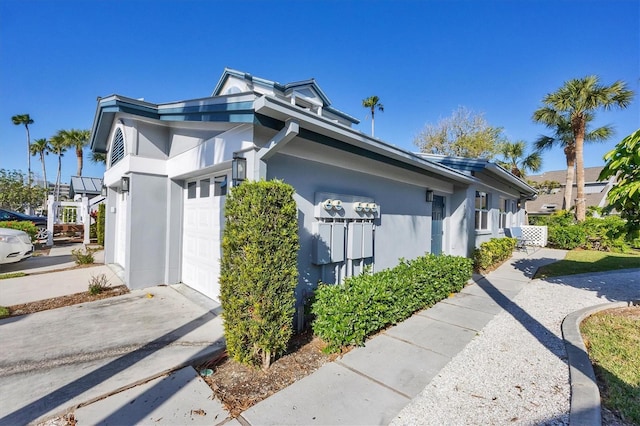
(202, 233)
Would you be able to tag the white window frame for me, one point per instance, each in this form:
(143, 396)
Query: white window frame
(482, 211)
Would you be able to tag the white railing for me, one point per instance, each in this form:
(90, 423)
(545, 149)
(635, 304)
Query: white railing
(535, 235)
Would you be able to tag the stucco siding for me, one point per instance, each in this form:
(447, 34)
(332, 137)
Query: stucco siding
(402, 230)
(147, 228)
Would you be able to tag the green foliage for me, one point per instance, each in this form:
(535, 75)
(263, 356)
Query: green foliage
(28, 227)
(493, 252)
(464, 134)
(12, 275)
(83, 257)
(624, 163)
(98, 284)
(347, 313)
(516, 161)
(259, 270)
(566, 237)
(15, 193)
(100, 224)
(4, 312)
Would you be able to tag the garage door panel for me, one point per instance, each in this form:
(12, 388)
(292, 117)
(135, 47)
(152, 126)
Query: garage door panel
(203, 220)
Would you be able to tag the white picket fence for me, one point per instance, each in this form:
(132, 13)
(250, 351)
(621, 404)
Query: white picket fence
(535, 235)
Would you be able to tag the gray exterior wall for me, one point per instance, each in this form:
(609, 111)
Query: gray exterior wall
(404, 226)
(147, 231)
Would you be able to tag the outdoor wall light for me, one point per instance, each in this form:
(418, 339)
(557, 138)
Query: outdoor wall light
(103, 191)
(125, 184)
(238, 169)
(429, 196)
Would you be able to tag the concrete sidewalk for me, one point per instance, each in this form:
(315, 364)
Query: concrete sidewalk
(54, 360)
(50, 276)
(369, 385)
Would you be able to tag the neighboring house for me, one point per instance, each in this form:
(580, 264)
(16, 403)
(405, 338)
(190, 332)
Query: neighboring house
(547, 203)
(361, 202)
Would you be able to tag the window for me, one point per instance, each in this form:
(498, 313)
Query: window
(508, 206)
(482, 211)
(220, 187)
(204, 187)
(191, 190)
(117, 147)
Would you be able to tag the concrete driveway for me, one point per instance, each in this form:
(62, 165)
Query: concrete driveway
(55, 360)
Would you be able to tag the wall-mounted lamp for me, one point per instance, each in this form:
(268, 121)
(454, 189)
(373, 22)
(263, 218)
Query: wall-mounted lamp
(429, 198)
(103, 191)
(125, 184)
(238, 169)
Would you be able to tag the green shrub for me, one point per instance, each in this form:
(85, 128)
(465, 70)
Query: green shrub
(4, 312)
(83, 257)
(493, 252)
(98, 284)
(566, 237)
(607, 234)
(28, 227)
(259, 270)
(100, 224)
(346, 314)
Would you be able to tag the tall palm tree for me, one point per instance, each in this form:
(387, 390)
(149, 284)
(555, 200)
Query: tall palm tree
(515, 160)
(373, 103)
(58, 145)
(98, 157)
(563, 137)
(77, 139)
(25, 119)
(41, 148)
(576, 99)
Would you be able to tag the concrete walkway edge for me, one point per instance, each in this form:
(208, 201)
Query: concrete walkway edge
(585, 408)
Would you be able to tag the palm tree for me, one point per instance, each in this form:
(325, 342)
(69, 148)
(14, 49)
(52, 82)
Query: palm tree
(25, 119)
(373, 102)
(516, 162)
(41, 147)
(563, 137)
(578, 99)
(77, 139)
(58, 145)
(98, 157)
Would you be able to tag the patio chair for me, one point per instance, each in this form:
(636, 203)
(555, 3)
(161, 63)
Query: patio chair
(521, 242)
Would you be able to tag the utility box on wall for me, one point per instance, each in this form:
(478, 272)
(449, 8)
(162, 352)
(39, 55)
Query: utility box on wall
(354, 245)
(322, 243)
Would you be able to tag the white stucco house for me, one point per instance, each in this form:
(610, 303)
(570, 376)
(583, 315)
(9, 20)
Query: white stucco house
(361, 201)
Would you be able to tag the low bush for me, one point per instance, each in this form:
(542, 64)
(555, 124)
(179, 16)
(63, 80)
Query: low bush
(493, 252)
(100, 224)
(607, 234)
(28, 227)
(98, 284)
(83, 257)
(346, 314)
(566, 237)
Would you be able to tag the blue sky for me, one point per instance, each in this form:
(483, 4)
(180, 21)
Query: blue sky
(422, 58)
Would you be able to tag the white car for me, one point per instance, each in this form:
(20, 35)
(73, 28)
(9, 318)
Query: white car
(15, 245)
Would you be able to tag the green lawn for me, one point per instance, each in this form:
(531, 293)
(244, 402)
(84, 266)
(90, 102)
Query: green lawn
(612, 340)
(581, 261)
(12, 275)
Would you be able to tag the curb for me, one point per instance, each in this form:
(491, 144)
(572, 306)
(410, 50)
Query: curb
(585, 406)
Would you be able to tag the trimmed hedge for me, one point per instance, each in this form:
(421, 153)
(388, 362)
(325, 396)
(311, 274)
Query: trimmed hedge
(28, 227)
(346, 314)
(259, 270)
(493, 252)
(100, 223)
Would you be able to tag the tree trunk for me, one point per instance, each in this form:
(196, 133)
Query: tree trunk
(579, 128)
(79, 154)
(266, 360)
(372, 122)
(569, 152)
(44, 174)
(26, 126)
(57, 189)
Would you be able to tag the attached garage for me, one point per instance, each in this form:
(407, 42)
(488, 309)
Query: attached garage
(203, 220)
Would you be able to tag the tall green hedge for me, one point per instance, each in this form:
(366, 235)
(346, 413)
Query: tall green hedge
(259, 270)
(347, 313)
(100, 223)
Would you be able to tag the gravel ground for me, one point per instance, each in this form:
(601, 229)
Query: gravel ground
(515, 370)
